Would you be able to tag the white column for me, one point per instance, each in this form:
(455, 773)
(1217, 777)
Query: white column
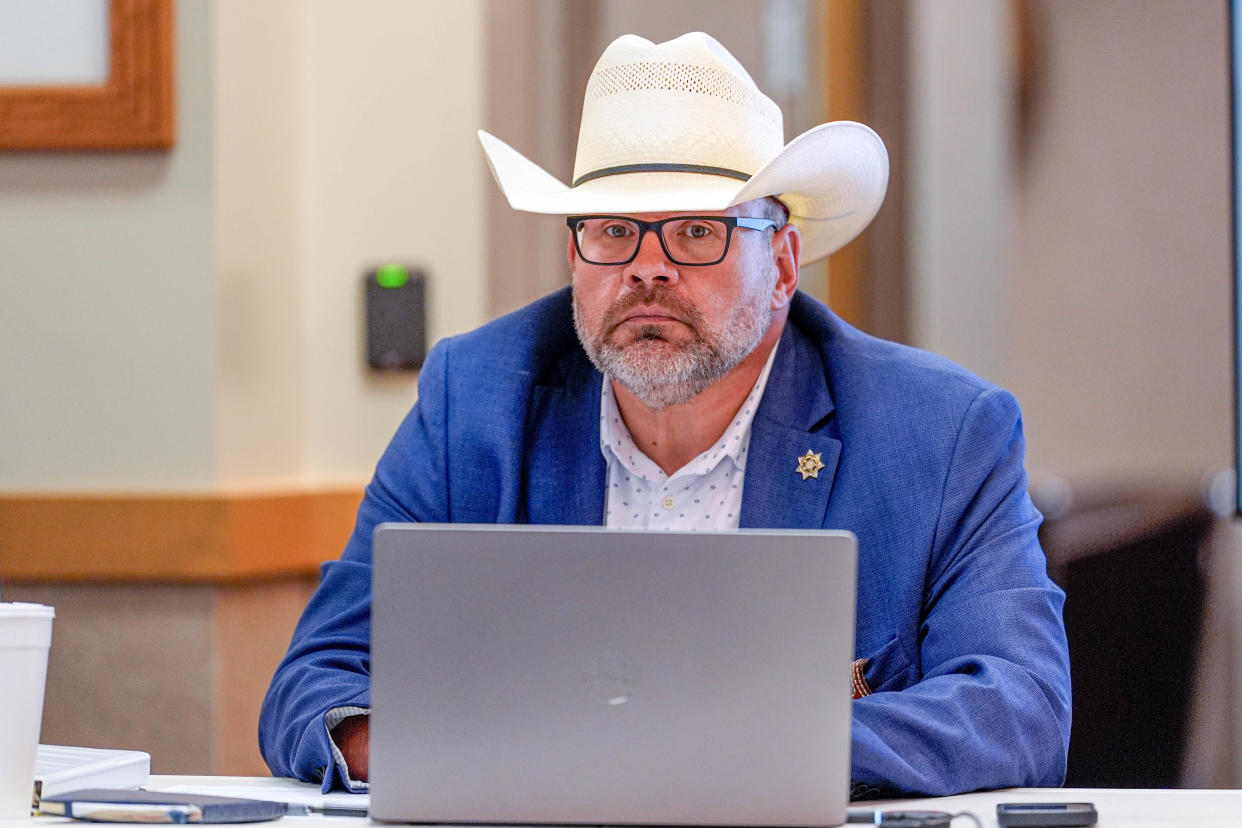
(960, 174)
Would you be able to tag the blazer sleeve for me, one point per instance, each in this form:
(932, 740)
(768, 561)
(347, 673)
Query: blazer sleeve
(328, 664)
(991, 706)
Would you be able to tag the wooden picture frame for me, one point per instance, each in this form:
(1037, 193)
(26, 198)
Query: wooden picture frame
(134, 109)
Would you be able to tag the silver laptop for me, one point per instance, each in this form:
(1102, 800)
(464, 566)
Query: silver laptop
(575, 675)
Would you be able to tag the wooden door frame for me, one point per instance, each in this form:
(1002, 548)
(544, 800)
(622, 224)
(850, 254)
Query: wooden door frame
(866, 56)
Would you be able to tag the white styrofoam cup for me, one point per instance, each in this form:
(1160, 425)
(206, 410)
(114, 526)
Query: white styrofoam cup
(25, 636)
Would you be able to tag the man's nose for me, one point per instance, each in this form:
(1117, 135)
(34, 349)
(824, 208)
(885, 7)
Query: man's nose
(650, 265)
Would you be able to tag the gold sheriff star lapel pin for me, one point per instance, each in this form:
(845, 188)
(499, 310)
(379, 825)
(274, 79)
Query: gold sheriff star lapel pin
(809, 464)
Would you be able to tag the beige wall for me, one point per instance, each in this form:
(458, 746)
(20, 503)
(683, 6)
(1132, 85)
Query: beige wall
(192, 320)
(347, 140)
(393, 96)
(1084, 261)
(1121, 344)
(259, 215)
(960, 182)
(108, 304)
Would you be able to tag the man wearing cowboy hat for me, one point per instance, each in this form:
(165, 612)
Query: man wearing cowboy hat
(683, 383)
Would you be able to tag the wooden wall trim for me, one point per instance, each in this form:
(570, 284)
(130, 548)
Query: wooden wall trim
(846, 65)
(133, 110)
(187, 539)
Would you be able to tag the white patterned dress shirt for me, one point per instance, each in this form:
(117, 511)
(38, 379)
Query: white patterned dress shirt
(704, 494)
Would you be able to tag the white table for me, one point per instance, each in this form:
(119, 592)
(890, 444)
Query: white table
(1118, 808)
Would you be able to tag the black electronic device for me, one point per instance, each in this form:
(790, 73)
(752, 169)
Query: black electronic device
(1036, 814)
(396, 318)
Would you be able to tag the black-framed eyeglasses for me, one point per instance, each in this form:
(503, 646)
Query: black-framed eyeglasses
(687, 240)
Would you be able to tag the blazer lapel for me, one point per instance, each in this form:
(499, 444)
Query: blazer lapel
(791, 421)
(565, 468)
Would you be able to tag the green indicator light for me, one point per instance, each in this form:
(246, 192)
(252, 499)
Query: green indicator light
(392, 275)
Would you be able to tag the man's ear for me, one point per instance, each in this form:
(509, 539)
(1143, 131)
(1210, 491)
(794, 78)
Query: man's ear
(786, 250)
(571, 252)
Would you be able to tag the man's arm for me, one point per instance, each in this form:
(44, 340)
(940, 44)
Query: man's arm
(991, 704)
(473, 397)
(328, 664)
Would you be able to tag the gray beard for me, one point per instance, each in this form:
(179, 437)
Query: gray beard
(661, 373)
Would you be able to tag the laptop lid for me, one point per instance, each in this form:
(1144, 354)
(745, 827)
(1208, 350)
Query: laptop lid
(581, 675)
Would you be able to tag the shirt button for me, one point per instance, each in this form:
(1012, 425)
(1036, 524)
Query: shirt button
(668, 503)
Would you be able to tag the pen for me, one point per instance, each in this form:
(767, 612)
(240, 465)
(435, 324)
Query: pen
(300, 809)
(127, 812)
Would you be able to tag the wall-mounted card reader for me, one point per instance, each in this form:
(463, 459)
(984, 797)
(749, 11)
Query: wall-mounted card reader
(396, 318)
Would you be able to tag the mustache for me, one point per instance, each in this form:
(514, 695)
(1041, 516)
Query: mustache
(654, 297)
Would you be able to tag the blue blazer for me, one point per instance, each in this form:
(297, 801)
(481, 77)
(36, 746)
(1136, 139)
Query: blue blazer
(923, 461)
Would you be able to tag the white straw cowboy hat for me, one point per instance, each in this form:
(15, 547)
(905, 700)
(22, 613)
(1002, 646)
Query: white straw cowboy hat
(681, 126)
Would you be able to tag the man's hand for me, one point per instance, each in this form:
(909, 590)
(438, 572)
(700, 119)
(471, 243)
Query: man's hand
(353, 737)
